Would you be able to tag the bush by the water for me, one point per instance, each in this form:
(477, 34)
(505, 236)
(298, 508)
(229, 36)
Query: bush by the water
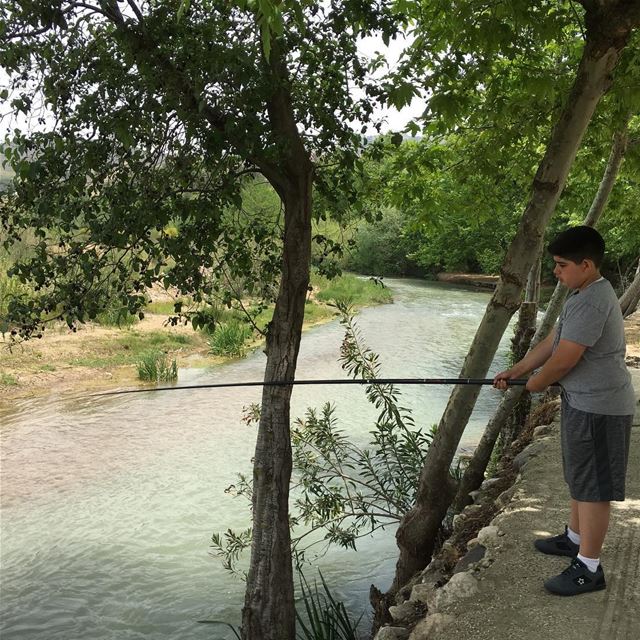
(324, 617)
(155, 366)
(229, 338)
(351, 290)
(381, 248)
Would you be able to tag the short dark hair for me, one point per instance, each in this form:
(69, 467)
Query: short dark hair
(578, 244)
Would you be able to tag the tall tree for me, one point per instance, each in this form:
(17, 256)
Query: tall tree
(608, 28)
(147, 116)
(474, 472)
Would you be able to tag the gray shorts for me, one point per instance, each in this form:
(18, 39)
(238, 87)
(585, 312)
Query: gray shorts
(595, 452)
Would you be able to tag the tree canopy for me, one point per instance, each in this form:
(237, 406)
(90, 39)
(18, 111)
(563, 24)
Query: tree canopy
(148, 122)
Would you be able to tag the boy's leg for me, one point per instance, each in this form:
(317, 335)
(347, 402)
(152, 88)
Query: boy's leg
(574, 518)
(593, 518)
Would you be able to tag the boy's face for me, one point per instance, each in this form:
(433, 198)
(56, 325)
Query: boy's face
(575, 275)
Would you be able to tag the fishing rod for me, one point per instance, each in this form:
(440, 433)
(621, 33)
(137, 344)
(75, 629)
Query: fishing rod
(287, 383)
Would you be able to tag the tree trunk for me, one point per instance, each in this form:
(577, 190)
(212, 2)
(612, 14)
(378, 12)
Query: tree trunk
(618, 149)
(418, 529)
(269, 608)
(269, 611)
(631, 297)
(474, 473)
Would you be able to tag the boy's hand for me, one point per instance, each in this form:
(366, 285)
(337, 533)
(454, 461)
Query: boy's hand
(500, 381)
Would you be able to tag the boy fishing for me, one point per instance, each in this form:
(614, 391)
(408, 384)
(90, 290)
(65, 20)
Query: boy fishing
(585, 354)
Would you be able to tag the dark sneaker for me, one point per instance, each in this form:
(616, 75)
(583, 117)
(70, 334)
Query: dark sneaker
(576, 579)
(559, 545)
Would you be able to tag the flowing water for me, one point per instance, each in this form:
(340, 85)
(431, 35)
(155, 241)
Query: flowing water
(108, 503)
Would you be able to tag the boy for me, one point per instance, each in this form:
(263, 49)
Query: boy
(585, 355)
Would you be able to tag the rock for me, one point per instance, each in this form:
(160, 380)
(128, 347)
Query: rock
(431, 627)
(542, 430)
(488, 536)
(474, 495)
(402, 611)
(475, 555)
(528, 452)
(462, 585)
(472, 543)
(505, 497)
(421, 592)
(488, 483)
(461, 517)
(392, 633)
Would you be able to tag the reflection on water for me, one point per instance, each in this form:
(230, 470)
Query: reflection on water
(108, 503)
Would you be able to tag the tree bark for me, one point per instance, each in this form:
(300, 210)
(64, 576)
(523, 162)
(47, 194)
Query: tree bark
(474, 473)
(418, 529)
(631, 297)
(618, 149)
(269, 608)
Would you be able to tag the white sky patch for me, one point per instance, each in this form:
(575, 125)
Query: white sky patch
(395, 120)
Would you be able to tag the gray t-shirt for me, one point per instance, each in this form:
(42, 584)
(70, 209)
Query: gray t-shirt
(600, 382)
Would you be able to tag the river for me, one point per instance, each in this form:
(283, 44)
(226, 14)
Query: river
(108, 503)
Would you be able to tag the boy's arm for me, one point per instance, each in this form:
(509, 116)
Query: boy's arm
(535, 358)
(564, 358)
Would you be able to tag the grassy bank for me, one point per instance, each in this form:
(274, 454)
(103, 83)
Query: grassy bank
(103, 353)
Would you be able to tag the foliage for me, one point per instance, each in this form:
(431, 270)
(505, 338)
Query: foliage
(351, 291)
(10, 287)
(325, 617)
(143, 173)
(228, 548)
(229, 338)
(155, 366)
(382, 247)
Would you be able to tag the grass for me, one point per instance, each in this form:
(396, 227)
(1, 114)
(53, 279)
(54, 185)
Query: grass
(130, 348)
(229, 339)
(155, 366)
(351, 289)
(324, 617)
(163, 307)
(116, 317)
(7, 380)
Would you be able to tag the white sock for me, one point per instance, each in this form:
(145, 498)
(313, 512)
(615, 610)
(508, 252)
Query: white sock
(592, 563)
(573, 536)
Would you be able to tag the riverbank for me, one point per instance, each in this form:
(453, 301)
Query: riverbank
(95, 357)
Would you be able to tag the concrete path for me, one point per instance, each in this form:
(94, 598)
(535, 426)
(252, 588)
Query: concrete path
(512, 603)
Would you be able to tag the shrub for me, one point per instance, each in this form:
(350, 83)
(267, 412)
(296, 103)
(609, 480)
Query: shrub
(228, 339)
(381, 248)
(155, 366)
(351, 290)
(116, 316)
